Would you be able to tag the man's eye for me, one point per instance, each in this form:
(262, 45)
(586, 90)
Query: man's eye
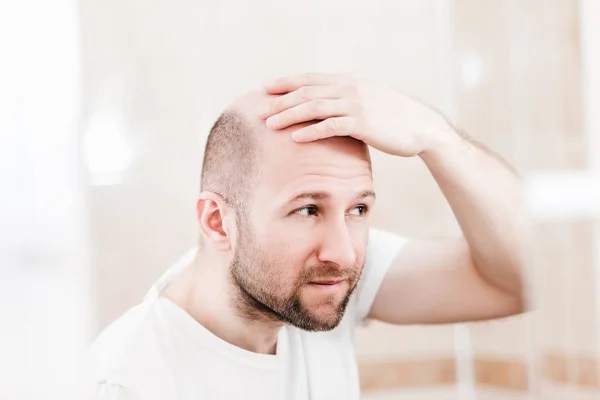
(359, 210)
(307, 211)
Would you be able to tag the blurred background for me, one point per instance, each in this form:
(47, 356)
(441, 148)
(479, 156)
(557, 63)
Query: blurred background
(105, 107)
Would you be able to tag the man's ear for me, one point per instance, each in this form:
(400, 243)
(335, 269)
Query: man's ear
(216, 220)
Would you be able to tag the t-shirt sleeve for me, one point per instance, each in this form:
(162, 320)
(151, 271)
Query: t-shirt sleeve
(381, 251)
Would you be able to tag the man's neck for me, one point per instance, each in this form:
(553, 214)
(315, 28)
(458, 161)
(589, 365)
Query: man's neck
(205, 292)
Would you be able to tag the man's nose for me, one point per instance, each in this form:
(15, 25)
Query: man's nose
(337, 246)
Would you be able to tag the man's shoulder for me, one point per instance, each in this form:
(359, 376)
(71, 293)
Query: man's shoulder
(382, 249)
(382, 239)
(116, 339)
(126, 351)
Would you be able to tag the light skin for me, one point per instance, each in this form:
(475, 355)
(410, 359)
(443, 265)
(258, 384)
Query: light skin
(473, 277)
(304, 239)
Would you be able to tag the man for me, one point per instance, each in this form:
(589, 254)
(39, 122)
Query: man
(266, 307)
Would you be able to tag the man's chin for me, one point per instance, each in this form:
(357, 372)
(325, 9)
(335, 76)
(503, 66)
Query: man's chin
(322, 318)
(317, 325)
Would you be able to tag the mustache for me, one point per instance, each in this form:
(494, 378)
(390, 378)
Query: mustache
(329, 271)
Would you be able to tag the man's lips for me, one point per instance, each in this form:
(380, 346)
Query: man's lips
(327, 281)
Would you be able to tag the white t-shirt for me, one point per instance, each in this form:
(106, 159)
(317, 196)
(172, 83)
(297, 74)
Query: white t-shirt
(156, 351)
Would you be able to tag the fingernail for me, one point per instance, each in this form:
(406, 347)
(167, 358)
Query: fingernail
(297, 135)
(272, 121)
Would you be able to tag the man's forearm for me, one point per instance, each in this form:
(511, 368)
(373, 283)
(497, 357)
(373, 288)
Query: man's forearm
(485, 196)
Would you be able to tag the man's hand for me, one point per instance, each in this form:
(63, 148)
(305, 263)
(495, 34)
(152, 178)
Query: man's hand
(377, 115)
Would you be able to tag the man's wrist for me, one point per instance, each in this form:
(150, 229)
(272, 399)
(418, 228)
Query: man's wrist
(441, 137)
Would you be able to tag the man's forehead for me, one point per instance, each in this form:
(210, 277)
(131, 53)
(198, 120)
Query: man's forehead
(279, 149)
(331, 168)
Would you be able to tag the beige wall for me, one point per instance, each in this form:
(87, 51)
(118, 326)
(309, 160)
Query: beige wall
(507, 72)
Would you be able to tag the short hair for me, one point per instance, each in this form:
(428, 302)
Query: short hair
(230, 163)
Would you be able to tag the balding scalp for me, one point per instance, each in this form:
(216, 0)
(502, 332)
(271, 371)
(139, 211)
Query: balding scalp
(230, 159)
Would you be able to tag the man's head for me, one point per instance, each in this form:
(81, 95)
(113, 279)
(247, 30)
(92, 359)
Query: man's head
(290, 218)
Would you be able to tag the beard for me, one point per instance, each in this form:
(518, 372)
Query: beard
(261, 295)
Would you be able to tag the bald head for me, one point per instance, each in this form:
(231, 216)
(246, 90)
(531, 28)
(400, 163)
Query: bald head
(231, 153)
(240, 146)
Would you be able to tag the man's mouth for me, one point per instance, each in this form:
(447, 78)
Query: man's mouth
(327, 282)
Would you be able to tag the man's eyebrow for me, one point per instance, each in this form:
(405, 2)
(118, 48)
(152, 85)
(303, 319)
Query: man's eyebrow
(311, 196)
(327, 195)
(366, 193)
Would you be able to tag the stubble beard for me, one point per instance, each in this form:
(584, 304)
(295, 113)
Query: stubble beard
(255, 297)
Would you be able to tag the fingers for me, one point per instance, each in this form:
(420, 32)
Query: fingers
(308, 97)
(290, 83)
(302, 95)
(312, 110)
(340, 126)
